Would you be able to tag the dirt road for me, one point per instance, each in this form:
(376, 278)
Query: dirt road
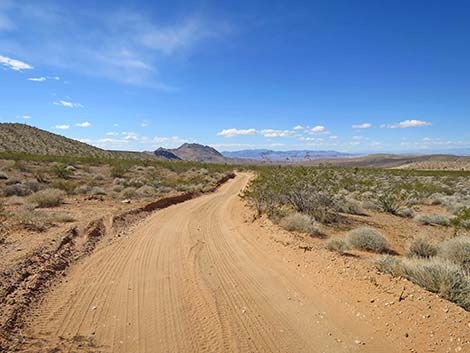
(192, 278)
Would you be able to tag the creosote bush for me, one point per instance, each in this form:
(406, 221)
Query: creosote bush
(421, 247)
(300, 223)
(337, 245)
(47, 198)
(388, 264)
(367, 238)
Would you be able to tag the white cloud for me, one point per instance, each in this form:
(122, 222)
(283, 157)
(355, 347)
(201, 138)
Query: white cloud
(37, 79)
(276, 133)
(236, 132)
(333, 137)
(357, 138)
(13, 64)
(62, 127)
(408, 123)
(112, 133)
(26, 117)
(318, 129)
(299, 127)
(68, 104)
(362, 126)
(84, 124)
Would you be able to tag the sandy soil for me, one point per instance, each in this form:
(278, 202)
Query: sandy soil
(202, 276)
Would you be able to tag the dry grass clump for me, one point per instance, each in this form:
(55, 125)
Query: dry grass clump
(47, 198)
(300, 223)
(367, 238)
(439, 276)
(421, 247)
(456, 250)
(3, 175)
(388, 264)
(432, 219)
(33, 220)
(406, 213)
(337, 245)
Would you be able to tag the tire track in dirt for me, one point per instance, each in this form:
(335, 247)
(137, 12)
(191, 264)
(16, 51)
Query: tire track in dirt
(190, 278)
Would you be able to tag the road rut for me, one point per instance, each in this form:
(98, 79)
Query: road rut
(191, 278)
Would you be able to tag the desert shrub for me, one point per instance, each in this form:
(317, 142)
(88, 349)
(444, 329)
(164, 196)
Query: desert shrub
(370, 205)
(350, 206)
(393, 199)
(83, 189)
(337, 245)
(61, 171)
(47, 198)
(17, 190)
(33, 220)
(97, 191)
(68, 186)
(456, 250)
(432, 219)
(15, 201)
(128, 193)
(3, 175)
(367, 238)
(421, 247)
(388, 264)
(406, 213)
(439, 276)
(145, 191)
(63, 218)
(462, 219)
(300, 223)
(118, 170)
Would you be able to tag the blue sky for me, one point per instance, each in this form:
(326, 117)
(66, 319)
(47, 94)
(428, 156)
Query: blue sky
(357, 75)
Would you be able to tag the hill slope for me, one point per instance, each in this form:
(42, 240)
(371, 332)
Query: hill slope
(194, 152)
(21, 138)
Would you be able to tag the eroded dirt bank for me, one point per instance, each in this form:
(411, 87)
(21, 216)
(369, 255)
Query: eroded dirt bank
(201, 276)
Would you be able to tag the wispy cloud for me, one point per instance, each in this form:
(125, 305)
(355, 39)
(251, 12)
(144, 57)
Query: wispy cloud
(37, 79)
(236, 132)
(277, 133)
(407, 124)
(68, 104)
(362, 126)
(84, 124)
(62, 127)
(122, 45)
(14, 64)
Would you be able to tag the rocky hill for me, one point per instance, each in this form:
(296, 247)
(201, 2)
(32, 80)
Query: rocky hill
(193, 152)
(21, 138)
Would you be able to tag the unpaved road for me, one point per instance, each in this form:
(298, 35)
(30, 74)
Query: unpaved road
(191, 278)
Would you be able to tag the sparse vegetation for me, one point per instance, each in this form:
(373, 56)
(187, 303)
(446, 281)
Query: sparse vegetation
(457, 250)
(421, 247)
(300, 223)
(432, 219)
(368, 239)
(47, 198)
(337, 245)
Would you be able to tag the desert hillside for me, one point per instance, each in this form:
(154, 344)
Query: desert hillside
(22, 138)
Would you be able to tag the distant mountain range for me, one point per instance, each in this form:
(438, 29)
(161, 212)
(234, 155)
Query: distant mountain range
(286, 156)
(21, 138)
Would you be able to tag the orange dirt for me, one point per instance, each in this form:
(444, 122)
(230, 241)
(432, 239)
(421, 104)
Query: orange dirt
(201, 276)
